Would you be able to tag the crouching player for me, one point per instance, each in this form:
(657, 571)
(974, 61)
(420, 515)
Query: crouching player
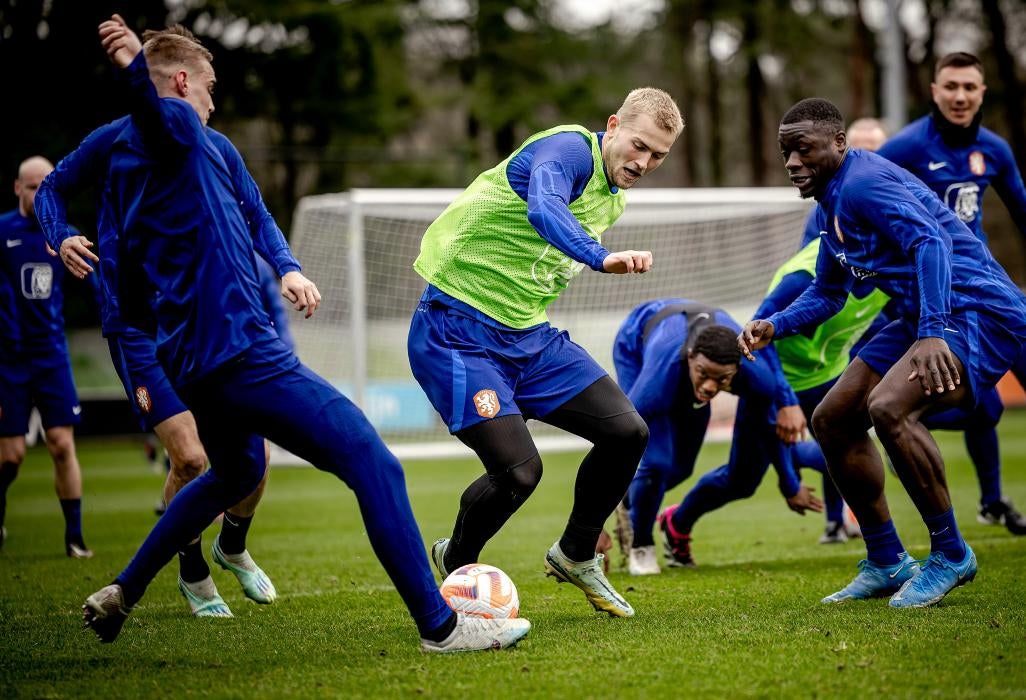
(672, 356)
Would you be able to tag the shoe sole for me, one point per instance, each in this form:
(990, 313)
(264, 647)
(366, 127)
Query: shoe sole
(598, 602)
(438, 558)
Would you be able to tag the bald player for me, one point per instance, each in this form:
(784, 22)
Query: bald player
(34, 365)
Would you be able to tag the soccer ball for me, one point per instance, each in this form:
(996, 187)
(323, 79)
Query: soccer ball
(482, 591)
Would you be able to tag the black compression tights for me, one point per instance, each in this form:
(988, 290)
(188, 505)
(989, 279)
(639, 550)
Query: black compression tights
(600, 414)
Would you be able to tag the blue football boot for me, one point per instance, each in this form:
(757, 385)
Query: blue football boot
(937, 578)
(877, 581)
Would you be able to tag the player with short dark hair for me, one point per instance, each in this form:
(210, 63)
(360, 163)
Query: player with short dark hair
(481, 346)
(962, 323)
(186, 247)
(672, 356)
(959, 159)
(34, 366)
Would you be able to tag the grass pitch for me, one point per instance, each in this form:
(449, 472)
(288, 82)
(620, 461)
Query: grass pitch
(747, 622)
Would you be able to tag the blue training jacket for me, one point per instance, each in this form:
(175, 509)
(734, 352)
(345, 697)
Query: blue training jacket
(888, 229)
(185, 247)
(960, 175)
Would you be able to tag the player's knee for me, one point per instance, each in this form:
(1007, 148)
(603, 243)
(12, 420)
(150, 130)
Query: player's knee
(627, 432)
(61, 443)
(825, 420)
(12, 455)
(887, 415)
(523, 478)
(187, 466)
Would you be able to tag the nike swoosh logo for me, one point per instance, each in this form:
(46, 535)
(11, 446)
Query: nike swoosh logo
(862, 312)
(950, 330)
(934, 534)
(13, 243)
(936, 166)
(699, 404)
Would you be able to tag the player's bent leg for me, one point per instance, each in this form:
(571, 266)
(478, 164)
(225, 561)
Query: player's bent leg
(237, 464)
(229, 547)
(180, 437)
(603, 415)
(513, 469)
(60, 441)
(307, 416)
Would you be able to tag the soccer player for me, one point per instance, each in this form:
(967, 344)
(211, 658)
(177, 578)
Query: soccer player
(34, 366)
(962, 323)
(133, 352)
(672, 356)
(958, 159)
(481, 346)
(186, 247)
(813, 361)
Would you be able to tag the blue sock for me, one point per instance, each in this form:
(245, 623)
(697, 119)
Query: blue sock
(982, 445)
(882, 544)
(646, 495)
(72, 508)
(944, 535)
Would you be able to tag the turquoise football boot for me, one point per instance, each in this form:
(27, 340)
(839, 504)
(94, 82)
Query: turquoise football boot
(876, 581)
(938, 577)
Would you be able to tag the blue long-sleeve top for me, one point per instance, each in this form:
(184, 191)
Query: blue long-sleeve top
(184, 239)
(959, 173)
(87, 166)
(887, 229)
(549, 174)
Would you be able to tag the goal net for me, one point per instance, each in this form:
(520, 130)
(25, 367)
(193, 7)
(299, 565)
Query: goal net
(719, 246)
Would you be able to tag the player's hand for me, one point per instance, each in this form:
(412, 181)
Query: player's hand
(756, 335)
(627, 261)
(301, 292)
(74, 253)
(605, 543)
(804, 500)
(791, 424)
(933, 364)
(120, 42)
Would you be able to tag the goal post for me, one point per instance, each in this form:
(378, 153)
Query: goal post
(720, 246)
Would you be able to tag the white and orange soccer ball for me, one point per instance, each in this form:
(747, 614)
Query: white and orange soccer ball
(482, 591)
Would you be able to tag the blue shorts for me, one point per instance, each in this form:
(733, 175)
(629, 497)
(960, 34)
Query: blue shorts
(987, 350)
(153, 399)
(40, 379)
(472, 371)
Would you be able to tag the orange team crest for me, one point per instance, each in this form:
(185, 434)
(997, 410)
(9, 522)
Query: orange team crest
(837, 229)
(977, 165)
(486, 402)
(142, 399)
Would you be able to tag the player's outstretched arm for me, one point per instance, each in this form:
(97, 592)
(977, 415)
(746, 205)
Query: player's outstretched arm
(757, 334)
(121, 43)
(803, 500)
(628, 261)
(301, 292)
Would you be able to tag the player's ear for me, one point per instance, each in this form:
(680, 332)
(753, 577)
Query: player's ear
(181, 79)
(612, 123)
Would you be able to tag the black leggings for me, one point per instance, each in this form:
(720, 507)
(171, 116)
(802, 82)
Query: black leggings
(601, 414)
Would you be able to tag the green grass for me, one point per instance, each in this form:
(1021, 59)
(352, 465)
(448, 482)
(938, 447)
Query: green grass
(746, 623)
